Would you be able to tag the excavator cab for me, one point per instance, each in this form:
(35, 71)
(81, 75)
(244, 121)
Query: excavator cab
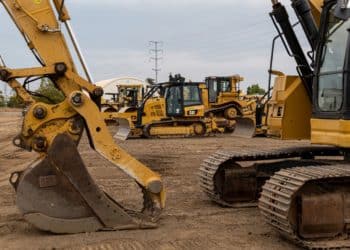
(330, 123)
(303, 192)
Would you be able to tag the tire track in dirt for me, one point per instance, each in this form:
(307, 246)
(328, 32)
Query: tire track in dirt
(121, 244)
(190, 220)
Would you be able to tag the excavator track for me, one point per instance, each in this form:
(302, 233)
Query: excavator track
(225, 180)
(309, 205)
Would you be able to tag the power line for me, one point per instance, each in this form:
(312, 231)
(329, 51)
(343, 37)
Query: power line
(157, 51)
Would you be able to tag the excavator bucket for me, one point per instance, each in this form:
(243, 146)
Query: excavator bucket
(123, 129)
(57, 194)
(244, 128)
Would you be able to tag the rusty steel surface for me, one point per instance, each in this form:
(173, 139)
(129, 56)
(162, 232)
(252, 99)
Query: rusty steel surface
(308, 205)
(226, 182)
(59, 195)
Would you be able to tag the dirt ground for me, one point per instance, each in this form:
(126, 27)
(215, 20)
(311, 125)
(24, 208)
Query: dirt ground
(190, 220)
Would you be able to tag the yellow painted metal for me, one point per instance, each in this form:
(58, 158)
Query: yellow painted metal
(20, 91)
(37, 22)
(316, 7)
(330, 132)
(155, 112)
(233, 95)
(50, 45)
(105, 145)
(38, 71)
(168, 130)
(62, 10)
(289, 110)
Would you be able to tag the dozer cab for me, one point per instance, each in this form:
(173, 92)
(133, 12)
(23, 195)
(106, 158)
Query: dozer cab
(303, 192)
(128, 96)
(56, 192)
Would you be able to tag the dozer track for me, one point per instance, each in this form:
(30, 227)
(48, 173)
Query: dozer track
(227, 181)
(310, 205)
(173, 124)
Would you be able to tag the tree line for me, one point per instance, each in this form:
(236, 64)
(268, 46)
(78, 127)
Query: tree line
(47, 93)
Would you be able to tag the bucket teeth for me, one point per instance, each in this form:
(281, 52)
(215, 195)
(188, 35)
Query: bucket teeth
(58, 194)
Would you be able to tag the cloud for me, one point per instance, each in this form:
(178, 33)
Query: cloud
(201, 38)
(252, 66)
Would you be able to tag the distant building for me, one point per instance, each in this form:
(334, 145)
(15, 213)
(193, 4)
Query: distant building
(110, 86)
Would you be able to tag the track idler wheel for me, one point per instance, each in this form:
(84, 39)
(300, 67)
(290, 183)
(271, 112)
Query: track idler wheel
(57, 194)
(230, 113)
(199, 129)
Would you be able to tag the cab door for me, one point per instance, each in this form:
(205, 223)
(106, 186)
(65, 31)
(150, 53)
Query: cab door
(174, 101)
(212, 86)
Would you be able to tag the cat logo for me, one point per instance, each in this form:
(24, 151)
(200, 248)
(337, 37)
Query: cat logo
(37, 1)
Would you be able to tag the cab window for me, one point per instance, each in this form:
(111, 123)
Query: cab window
(191, 95)
(331, 72)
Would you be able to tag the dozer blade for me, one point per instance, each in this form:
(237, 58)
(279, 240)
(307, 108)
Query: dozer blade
(58, 195)
(123, 129)
(244, 128)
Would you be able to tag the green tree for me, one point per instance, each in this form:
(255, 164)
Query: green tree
(48, 93)
(255, 90)
(2, 100)
(15, 102)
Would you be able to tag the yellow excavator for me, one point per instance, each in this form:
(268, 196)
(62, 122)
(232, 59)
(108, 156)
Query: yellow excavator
(188, 109)
(303, 192)
(56, 193)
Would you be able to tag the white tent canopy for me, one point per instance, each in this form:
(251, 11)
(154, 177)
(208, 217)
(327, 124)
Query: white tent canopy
(110, 85)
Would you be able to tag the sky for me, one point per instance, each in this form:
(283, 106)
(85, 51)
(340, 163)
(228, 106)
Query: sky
(200, 38)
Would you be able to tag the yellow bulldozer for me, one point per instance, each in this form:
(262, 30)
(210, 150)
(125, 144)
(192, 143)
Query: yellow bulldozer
(187, 109)
(303, 192)
(56, 192)
(128, 96)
